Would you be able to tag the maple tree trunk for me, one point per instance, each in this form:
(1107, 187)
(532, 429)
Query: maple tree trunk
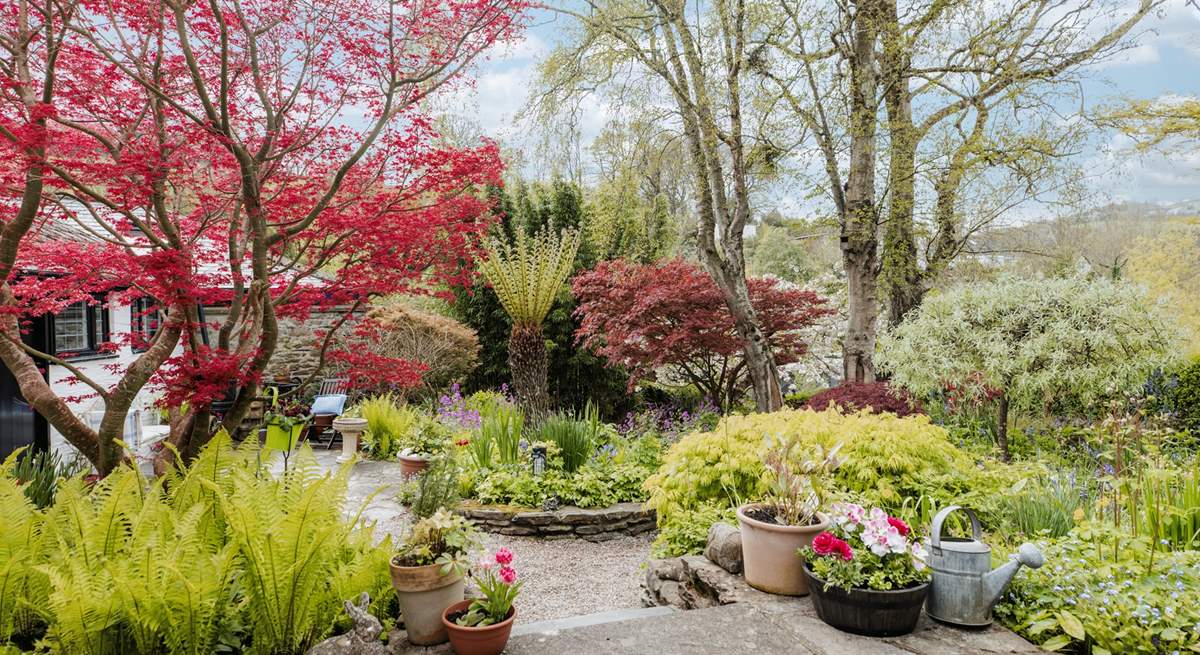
(859, 237)
(39, 395)
(527, 361)
(756, 350)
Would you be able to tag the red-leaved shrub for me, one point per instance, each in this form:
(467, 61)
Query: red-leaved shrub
(876, 396)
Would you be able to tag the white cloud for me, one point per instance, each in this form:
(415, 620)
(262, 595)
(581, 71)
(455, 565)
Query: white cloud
(1150, 176)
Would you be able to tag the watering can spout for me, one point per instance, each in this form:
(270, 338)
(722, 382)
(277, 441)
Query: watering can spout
(996, 580)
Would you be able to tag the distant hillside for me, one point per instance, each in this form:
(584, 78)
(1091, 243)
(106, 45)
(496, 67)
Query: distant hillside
(1097, 239)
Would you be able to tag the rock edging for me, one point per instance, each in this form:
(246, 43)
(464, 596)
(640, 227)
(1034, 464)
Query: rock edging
(699, 581)
(601, 524)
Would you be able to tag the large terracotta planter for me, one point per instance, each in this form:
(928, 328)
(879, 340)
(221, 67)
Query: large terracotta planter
(424, 594)
(488, 640)
(412, 465)
(769, 552)
(868, 611)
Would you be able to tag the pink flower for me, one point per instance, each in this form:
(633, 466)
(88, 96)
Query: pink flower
(883, 538)
(508, 574)
(900, 526)
(504, 556)
(485, 564)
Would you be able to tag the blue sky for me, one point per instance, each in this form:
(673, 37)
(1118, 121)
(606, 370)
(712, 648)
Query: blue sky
(1165, 61)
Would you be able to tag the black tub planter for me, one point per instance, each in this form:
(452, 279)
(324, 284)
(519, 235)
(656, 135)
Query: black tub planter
(867, 611)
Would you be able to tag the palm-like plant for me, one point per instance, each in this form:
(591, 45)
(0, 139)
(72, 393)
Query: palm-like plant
(527, 275)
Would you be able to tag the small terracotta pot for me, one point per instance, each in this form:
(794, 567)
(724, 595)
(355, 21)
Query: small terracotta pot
(769, 552)
(488, 640)
(411, 465)
(424, 593)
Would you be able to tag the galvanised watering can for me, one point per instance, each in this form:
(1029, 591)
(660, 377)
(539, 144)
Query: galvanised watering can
(964, 587)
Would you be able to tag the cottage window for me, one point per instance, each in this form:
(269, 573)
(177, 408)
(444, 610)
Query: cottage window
(144, 321)
(79, 329)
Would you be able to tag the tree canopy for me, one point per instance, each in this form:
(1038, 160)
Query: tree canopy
(271, 158)
(669, 316)
(1032, 342)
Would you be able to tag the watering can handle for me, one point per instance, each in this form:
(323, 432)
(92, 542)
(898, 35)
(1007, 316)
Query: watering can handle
(273, 394)
(936, 530)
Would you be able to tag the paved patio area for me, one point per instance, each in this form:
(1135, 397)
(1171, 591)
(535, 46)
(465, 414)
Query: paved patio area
(788, 627)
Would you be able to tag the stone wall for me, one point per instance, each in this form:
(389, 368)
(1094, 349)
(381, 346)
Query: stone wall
(299, 351)
(620, 520)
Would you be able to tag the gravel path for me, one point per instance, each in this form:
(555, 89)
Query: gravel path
(563, 577)
(569, 577)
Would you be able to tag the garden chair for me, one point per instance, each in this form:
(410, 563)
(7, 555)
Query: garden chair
(328, 404)
(332, 386)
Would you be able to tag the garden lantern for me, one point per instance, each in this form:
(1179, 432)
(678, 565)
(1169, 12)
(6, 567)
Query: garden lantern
(539, 460)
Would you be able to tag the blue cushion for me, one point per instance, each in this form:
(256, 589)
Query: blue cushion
(332, 403)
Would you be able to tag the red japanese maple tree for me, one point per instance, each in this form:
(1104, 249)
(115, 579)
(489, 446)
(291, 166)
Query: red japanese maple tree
(265, 157)
(670, 317)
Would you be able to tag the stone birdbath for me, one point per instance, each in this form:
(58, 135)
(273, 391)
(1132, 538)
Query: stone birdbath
(351, 428)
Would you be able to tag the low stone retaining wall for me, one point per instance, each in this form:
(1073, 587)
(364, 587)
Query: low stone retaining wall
(603, 524)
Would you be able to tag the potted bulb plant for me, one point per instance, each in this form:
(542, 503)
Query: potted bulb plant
(427, 573)
(868, 573)
(481, 626)
(425, 441)
(788, 520)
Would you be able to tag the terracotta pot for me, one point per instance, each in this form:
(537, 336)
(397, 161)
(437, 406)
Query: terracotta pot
(769, 552)
(411, 465)
(488, 640)
(868, 611)
(424, 593)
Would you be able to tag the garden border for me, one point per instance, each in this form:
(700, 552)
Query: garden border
(568, 522)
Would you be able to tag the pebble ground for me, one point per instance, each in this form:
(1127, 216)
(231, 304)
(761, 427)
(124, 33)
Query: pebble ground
(563, 577)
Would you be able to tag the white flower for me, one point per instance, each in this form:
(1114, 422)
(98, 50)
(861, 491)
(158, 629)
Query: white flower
(919, 553)
(848, 516)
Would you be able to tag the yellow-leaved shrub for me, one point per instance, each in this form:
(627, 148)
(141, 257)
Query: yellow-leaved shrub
(887, 459)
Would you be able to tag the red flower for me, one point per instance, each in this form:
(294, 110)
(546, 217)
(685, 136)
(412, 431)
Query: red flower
(823, 543)
(843, 549)
(900, 526)
(462, 442)
(827, 544)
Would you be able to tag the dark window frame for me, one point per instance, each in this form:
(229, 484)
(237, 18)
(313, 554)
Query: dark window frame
(141, 311)
(95, 315)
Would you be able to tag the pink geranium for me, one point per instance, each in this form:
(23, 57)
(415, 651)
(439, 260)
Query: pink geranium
(848, 516)
(508, 574)
(900, 526)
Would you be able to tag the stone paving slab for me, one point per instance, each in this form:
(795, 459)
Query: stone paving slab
(787, 627)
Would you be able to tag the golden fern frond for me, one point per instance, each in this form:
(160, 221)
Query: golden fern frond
(528, 273)
(22, 588)
(10, 462)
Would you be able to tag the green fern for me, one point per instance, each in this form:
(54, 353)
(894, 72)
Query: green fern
(23, 589)
(219, 556)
